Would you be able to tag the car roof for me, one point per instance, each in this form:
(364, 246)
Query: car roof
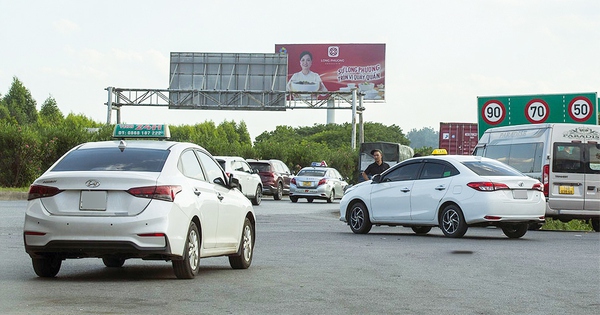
(142, 144)
(228, 158)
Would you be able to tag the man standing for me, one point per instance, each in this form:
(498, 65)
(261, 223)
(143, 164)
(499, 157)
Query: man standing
(376, 167)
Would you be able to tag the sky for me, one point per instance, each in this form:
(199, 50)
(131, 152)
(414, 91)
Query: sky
(440, 54)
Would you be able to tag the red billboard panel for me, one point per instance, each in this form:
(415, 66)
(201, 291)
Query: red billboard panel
(336, 67)
(458, 138)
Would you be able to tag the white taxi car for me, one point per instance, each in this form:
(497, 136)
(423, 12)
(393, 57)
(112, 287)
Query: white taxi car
(450, 192)
(148, 199)
(317, 182)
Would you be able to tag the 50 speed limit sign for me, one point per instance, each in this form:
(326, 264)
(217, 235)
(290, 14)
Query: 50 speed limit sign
(493, 112)
(537, 111)
(581, 109)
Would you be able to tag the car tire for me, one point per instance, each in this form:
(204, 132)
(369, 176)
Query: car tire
(279, 192)
(309, 200)
(243, 258)
(595, 224)
(452, 222)
(358, 218)
(113, 262)
(187, 268)
(294, 199)
(331, 196)
(46, 267)
(515, 230)
(421, 230)
(257, 196)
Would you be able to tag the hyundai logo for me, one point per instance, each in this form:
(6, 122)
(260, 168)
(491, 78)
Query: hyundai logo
(92, 183)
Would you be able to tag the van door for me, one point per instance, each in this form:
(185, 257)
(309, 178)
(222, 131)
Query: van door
(592, 177)
(568, 188)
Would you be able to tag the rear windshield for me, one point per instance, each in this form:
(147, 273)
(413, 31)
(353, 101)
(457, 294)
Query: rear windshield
(112, 159)
(491, 168)
(317, 173)
(261, 167)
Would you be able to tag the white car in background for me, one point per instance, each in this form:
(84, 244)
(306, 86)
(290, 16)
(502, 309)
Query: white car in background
(449, 192)
(250, 182)
(154, 200)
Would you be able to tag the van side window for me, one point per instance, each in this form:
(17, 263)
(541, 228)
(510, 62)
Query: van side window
(567, 158)
(525, 157)
(594, 151)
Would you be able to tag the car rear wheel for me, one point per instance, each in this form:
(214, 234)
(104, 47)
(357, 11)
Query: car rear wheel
(257, 196)
(46, 267)
(243, 258)
(515, 230)
(421, 229)
(187, 268)
(279, 193)
(452, 222)
(309, 200)
(113, 262)
(331, 196)
(358, 218)
(294, 199)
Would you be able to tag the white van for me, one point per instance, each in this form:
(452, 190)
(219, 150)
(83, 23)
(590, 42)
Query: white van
(565, 157)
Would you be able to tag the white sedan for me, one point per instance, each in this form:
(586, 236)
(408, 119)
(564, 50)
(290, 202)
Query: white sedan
(450, 192)
(317, 182)
(154, 200)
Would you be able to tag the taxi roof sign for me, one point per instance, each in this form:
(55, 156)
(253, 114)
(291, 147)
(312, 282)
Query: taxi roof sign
(439, 152)
(142, 131)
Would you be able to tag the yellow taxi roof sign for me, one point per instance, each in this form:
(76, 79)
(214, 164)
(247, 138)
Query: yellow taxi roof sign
(439, 152)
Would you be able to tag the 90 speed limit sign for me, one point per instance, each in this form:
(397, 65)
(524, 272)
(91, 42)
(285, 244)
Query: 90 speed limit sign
(581, 109)
(537, 111)
(493, 112)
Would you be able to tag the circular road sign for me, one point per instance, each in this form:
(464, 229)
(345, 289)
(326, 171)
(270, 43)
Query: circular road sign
(581, 109)
(537, 111)
(493, 112)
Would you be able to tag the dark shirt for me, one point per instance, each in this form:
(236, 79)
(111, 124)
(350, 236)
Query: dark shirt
(373, 169)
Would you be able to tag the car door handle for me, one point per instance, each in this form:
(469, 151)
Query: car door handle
(440, 187)
(220, 196)
(197, 192)
(405, 189)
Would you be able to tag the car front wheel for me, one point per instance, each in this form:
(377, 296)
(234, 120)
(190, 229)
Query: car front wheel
(46, 267)
(595, 224)
(358, 219)
(243, 258)
(187, 268)
(452, 222)
(515, 230)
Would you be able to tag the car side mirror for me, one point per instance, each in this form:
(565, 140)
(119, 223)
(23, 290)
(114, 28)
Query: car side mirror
(234, 182)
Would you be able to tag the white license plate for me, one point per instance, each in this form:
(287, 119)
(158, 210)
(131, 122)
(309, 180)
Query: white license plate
(520, 194)
(93, 200)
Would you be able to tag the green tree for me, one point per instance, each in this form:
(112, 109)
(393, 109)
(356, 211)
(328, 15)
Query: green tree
(49, 112)
(424, 137)
(20, 103)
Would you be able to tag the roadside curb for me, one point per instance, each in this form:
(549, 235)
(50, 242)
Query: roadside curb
(13, 195)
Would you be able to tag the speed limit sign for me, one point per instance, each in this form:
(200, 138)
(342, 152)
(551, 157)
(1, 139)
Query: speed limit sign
(493, 112)
(537, 111)
(581, 109)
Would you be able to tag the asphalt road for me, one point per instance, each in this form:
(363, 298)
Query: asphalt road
(308, 262)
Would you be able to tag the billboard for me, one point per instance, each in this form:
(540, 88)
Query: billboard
(335, 67)
(496, 111)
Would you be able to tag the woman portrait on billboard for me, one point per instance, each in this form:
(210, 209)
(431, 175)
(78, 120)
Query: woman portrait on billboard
(306, 80)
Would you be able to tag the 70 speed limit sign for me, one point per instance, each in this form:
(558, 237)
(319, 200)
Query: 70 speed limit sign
(537, 111)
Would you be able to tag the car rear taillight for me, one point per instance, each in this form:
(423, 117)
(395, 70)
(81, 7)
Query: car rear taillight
(487, 186)
(39, 191)
(546, 179)
(293, 181)
(538, 186)
(165, 192)
(322, 181)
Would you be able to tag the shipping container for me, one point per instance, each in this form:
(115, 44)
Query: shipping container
(458, 138)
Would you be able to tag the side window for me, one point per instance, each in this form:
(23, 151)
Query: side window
(245, 167)
(404, 172)
(525, 157)
(594, 160)
(437, 170)
(213, 171)
(189, 166)
(567, 158)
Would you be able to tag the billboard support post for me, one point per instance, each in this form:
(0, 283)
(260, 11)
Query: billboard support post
(353, 118)
(109, 105)
(330, 111)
